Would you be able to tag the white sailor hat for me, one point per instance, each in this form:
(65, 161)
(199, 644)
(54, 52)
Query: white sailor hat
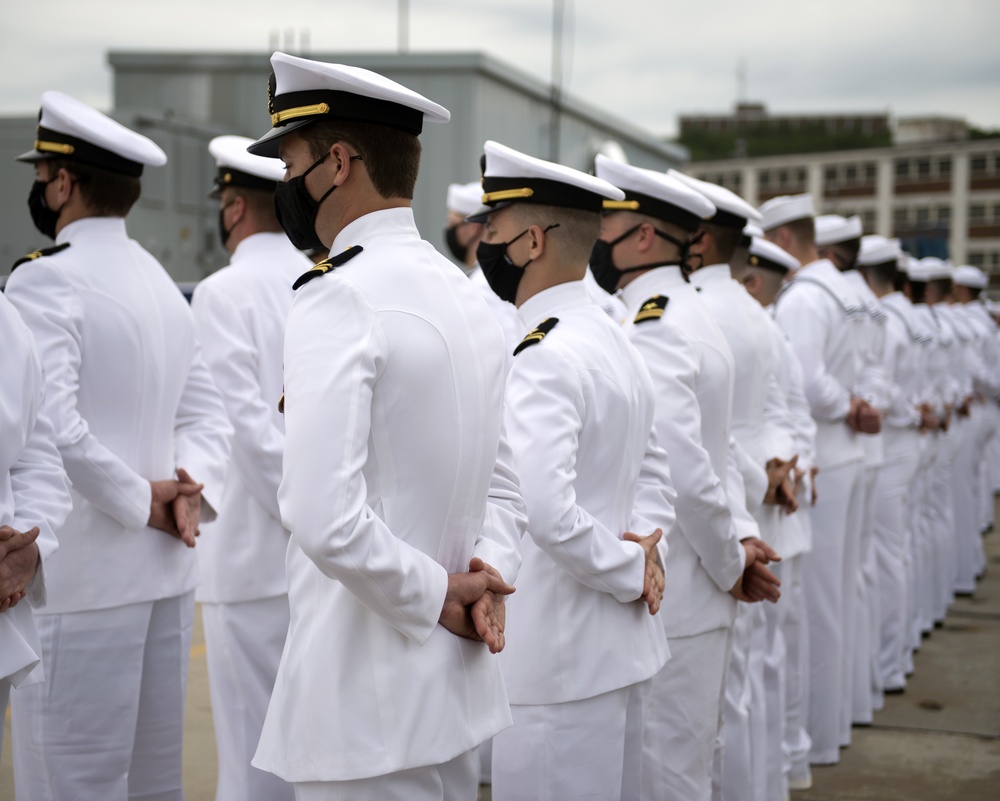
(784, 209)
(929, 268)
(969, 276)
(236, 167)
(769, 256)
(731, 210)
(301, 91)
(654, 194)
(832, 229)
(513, 177)
(69, 129)
(465, 199)
(877, 249)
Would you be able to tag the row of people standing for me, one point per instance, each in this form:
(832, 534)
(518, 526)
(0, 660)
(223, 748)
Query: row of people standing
(639, 482)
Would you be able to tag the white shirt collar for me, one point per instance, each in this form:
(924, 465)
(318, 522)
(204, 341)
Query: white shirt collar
(93, 227)
(652, 282)
(549, 302)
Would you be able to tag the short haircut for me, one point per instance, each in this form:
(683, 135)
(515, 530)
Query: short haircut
(260, 202)
(577, 232)
(106, 193)
(802, 231)
(942, 285)
(846, 253)
(886, 274)
(726, 239)
(918, 291)
(391, 156)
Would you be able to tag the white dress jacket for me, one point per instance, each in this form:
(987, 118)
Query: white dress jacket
(130, 400)
(396, 473)
(33, 488)
(580, 415)
(240, 314)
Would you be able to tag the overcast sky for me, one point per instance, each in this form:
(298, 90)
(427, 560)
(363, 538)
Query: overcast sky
(644, 60)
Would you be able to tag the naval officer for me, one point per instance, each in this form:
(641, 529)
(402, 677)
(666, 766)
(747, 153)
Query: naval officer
(239, 315)
(404, 513)
(137, 421)
(579, 410)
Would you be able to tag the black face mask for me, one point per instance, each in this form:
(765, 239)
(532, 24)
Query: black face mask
(223, 233)
(602, 262)
(296, 210)
(44, 218)
(458, 250)
(500, 272)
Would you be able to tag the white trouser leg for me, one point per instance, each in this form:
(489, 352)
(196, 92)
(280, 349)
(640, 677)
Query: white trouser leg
(244, 642)
(966, 530)
(765, 750)
(796, 640)
(775, 684)
(861, 684)
(452, 781)
(4, 697)
(736, 759)
(570, 750)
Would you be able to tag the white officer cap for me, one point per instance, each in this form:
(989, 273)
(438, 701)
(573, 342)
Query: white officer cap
(784, 209)
(69, 129)
(465, 199)
(969, 276)
(513, 177)
(301, 91)
(832, 229)
(752, 229)
(654, 194)
(236, 167)
(731, 210)
(769, 256)
(877, 249)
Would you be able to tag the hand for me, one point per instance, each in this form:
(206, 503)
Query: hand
(187, 509)
(928, 420)
(18, 562)
(483, 588)
(863, 417)
(965, 407)
(653, 581)
(757, 583)
(813, 472)
(162, 507)
(780, 489)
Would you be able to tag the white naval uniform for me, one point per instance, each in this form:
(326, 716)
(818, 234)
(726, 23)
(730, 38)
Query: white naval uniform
(503, 312)
(579, 411)
(33, 492)
(906, 348)
(130, 400)
(761, 426)
(240, 313)
(817, 315)
(692, 370)
(396, 473)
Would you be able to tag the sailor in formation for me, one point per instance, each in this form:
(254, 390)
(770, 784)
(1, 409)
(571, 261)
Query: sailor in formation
(658, 491)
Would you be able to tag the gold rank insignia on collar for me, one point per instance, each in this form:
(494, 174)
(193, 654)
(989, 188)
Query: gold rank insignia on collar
(652, 309)
(37, 254)
(327, 265)
(536, 334)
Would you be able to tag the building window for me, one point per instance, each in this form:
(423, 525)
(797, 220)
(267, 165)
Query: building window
(764, 179)
(800, 176)
(851, 174)
(783, 178)
(737, 181)
(830, 175)
(976, 258)
(995, 259)
(923, 168)
(900, 217)
(923, 216)
(870, 172)
(978, 165)
(944, 214)
(902, 168)
(977, 214)
(944, 168)
(996, 212)
(868, 220)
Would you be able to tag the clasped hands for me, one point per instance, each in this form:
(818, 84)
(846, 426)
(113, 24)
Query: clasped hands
(863, 417)
(757, 583)
(175, 507)
(783, 479)
(474, 605)
(18, 563)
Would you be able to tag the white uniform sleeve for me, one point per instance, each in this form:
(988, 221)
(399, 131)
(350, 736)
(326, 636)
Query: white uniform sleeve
(701, 498)
(52, 310)
(330, 374)
(545, 414)
(233, 358)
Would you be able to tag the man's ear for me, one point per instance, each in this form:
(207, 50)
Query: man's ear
(340, 158)
(536, 245)
(63, 185)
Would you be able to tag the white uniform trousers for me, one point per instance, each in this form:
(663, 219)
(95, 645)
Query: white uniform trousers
(926, 524)
(970, 558)
(775, 674)
(456, 780)
(108, 722)
(4, 697)
(945, 553)
(733, 776)
(892, 545)
(765, 722)
(791, 663)
(588, 750)
(865, 687)
(683, 719)
(829, 576)
(244, 642)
